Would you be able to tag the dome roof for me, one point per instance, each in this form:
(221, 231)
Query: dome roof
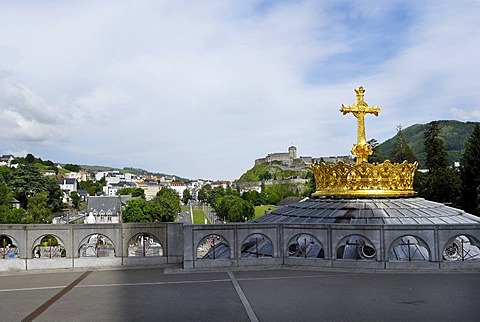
(381, 211)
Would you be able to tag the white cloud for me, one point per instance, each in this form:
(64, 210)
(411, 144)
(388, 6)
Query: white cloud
(463, 115)
(24, 116)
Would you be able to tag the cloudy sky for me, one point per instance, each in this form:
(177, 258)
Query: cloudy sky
(201, 89)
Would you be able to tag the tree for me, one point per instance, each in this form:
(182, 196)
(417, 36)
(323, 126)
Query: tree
(436, 156)
(30, 159)
(134, 192)
(54, 193)
(401, 150)
(72, 167)
(441, 183)
(375, 157)
(470, 173)
(91, 187)
(39, 209)
(5, 194)
(272, 198)
(26, 181)
(5, 174)
(166, 205)
(137, 210)
(234, 209)
(76, 199)
(215, 194)
(254, 197)
(265, 176)
(187, 196)
(204, 192)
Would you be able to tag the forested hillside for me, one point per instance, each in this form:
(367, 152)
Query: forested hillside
(453, 133)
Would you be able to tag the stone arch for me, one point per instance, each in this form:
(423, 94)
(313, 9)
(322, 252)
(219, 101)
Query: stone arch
(144, 244)
(8, 247)
(213, 246)
(96, 245)
(256, 245)
(305, 245)
(409, 248)
(49, 246)
(461, 248)
(356, 247)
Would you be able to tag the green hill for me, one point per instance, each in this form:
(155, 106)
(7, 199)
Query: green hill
(273, 170)
(454, 135)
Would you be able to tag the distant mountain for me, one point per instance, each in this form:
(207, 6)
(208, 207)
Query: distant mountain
(454, 135)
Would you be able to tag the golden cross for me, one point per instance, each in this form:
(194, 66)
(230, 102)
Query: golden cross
(360, 109)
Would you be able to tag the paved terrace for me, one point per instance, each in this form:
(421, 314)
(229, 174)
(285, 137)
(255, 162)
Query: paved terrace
(240, 295)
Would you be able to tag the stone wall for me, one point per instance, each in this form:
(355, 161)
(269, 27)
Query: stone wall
(180, 244)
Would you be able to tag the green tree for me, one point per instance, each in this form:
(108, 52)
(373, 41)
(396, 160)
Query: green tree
(6, 194)
(30, 159)
(166, 205)
(5, 174)
(441, 183)
(187, 196)
(26, 181)
(204, 192)
(272, 198)
(91, 187)
(234, 209)
(254, 197)
(39, 209)
(470, 173)
(76, 199)
(215, 194)
(54, 193)
(134, 192)
(265, 176)
(401, 150)
(436, 156)
(232, 192)
(72, 167)
(137, 210)
(375, 157)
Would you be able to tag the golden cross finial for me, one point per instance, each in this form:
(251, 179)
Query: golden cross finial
(360, 109)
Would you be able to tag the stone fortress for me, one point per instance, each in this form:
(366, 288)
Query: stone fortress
(290, 158)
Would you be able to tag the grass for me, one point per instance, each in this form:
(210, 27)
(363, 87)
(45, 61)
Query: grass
(198, 215)
(260, 210)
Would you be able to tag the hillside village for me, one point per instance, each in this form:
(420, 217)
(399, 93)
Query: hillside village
(107, 205)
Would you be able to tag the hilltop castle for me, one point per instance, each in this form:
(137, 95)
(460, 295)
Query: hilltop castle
(288, 158)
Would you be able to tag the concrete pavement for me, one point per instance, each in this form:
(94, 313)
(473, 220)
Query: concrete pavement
(245, 295)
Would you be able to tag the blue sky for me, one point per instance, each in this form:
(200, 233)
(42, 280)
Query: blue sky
(202, 88)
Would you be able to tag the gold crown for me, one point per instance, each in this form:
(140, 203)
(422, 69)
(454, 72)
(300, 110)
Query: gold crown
(365, 179)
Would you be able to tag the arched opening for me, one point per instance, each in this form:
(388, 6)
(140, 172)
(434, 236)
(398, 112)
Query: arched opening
(356, 247)
(49, 246)
(256, 246)
(96, 245)
(213, 247)
(144, 244)
(306, 246)
(409, 248)
(461, 248)
(8, 248)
